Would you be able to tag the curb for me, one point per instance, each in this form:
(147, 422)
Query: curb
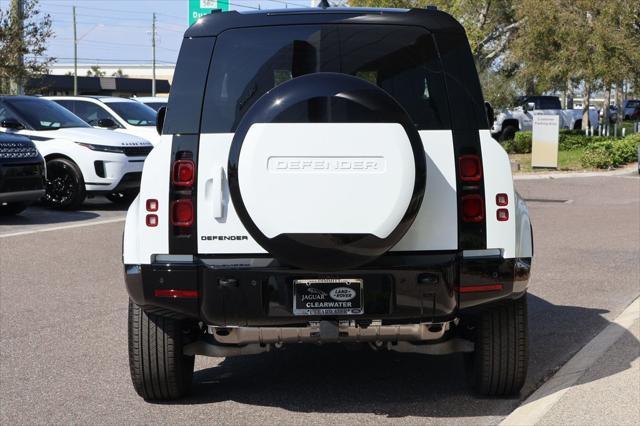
(629, 168)
(534, 408)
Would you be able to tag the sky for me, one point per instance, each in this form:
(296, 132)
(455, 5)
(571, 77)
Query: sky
(119, 31)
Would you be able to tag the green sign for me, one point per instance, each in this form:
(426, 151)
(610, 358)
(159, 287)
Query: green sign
(197, 8)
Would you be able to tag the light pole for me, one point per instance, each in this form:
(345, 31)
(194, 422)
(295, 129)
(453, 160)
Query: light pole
(153, 50)
(76, 40)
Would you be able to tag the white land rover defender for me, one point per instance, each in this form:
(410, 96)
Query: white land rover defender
(326, 176)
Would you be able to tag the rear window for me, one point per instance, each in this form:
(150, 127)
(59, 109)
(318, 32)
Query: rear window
(401, 60)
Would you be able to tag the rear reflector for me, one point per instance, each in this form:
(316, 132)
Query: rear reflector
(502, 215)
(182, 212)
(152, 220)
(472, 208)
(470, 168)
(502, 200)
(184, 172)
(177, 294)
(481, 288)
(152, 205)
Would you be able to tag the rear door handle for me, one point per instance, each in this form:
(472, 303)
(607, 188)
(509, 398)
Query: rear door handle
(213, 191)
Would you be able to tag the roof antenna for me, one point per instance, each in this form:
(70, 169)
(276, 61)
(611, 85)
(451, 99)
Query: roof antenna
(324, 4)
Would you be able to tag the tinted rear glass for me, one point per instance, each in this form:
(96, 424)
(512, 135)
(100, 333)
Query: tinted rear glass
(248, 62)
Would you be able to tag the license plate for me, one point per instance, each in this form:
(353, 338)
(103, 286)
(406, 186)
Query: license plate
(340, 296)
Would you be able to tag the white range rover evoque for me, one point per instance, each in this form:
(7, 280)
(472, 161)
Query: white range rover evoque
(80, 159)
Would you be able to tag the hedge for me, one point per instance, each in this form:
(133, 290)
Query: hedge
(568, 140)
(611, 153)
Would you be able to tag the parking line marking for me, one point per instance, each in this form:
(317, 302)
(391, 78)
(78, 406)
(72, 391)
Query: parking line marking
(58, 228)
(541, 401)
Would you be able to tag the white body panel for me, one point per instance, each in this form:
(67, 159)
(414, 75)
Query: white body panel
(436, 226)
(334, 178)
(498, 180)
(437, 218)
(215, 213)
(63, 142)
(140, 242)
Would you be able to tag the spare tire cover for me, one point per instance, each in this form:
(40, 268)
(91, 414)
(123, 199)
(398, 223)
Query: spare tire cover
(326, 171)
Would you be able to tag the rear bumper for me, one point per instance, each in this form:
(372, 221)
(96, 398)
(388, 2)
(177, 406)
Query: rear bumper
(256, 291)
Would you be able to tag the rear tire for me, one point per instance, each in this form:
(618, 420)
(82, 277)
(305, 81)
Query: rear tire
(508, 133)
(498, 367)
(12, 208)
(159, 369)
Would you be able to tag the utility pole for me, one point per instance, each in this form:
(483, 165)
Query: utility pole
(153, 49)
(75, 54)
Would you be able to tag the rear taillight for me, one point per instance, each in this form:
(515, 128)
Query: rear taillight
(182, 212)
(470, 168)
(184, 173)
(502, 200)
(472, 208)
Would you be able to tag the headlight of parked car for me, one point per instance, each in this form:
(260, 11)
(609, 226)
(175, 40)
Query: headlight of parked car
(102, 148)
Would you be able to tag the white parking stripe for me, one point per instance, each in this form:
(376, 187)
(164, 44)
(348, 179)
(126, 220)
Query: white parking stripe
(542, 400)
(58, 228)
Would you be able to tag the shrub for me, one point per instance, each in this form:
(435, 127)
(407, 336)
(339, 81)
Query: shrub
(611, 153)
(520, 144)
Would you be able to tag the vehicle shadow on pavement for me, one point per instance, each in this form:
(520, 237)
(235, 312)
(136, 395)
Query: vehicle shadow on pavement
(37, 215)
(356, 379)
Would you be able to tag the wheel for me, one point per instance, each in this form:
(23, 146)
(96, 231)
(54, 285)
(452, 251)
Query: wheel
(122, 198)
(65, 188)
(12, 208)
(159, 369)
(508, 133)
(498, 366)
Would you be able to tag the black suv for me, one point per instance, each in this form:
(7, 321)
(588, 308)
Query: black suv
(22, 173)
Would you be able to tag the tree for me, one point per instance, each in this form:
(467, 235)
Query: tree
(119, 73)
(95, 71)
(588, 42)
(489, 24)
(23, 43)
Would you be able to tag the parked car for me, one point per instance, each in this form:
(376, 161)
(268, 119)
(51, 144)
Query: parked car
(119, 114)
(630, 106)
(22, 174)
(326, 185)
(613, 114)
(155, 102)
(509, 122)
(80, 160)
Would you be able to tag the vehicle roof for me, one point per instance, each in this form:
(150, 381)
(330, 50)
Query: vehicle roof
(432, 19)
(105, 99)
(150, 99)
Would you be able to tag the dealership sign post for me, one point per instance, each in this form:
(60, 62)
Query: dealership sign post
(197, 8)
(544, 149)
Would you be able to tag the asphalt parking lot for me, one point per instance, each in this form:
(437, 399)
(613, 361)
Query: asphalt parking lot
(63, 308)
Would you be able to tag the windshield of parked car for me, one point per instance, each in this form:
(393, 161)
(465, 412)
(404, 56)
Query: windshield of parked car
(43, 114)
(633, 104)
(155, 105)
(134, 113)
